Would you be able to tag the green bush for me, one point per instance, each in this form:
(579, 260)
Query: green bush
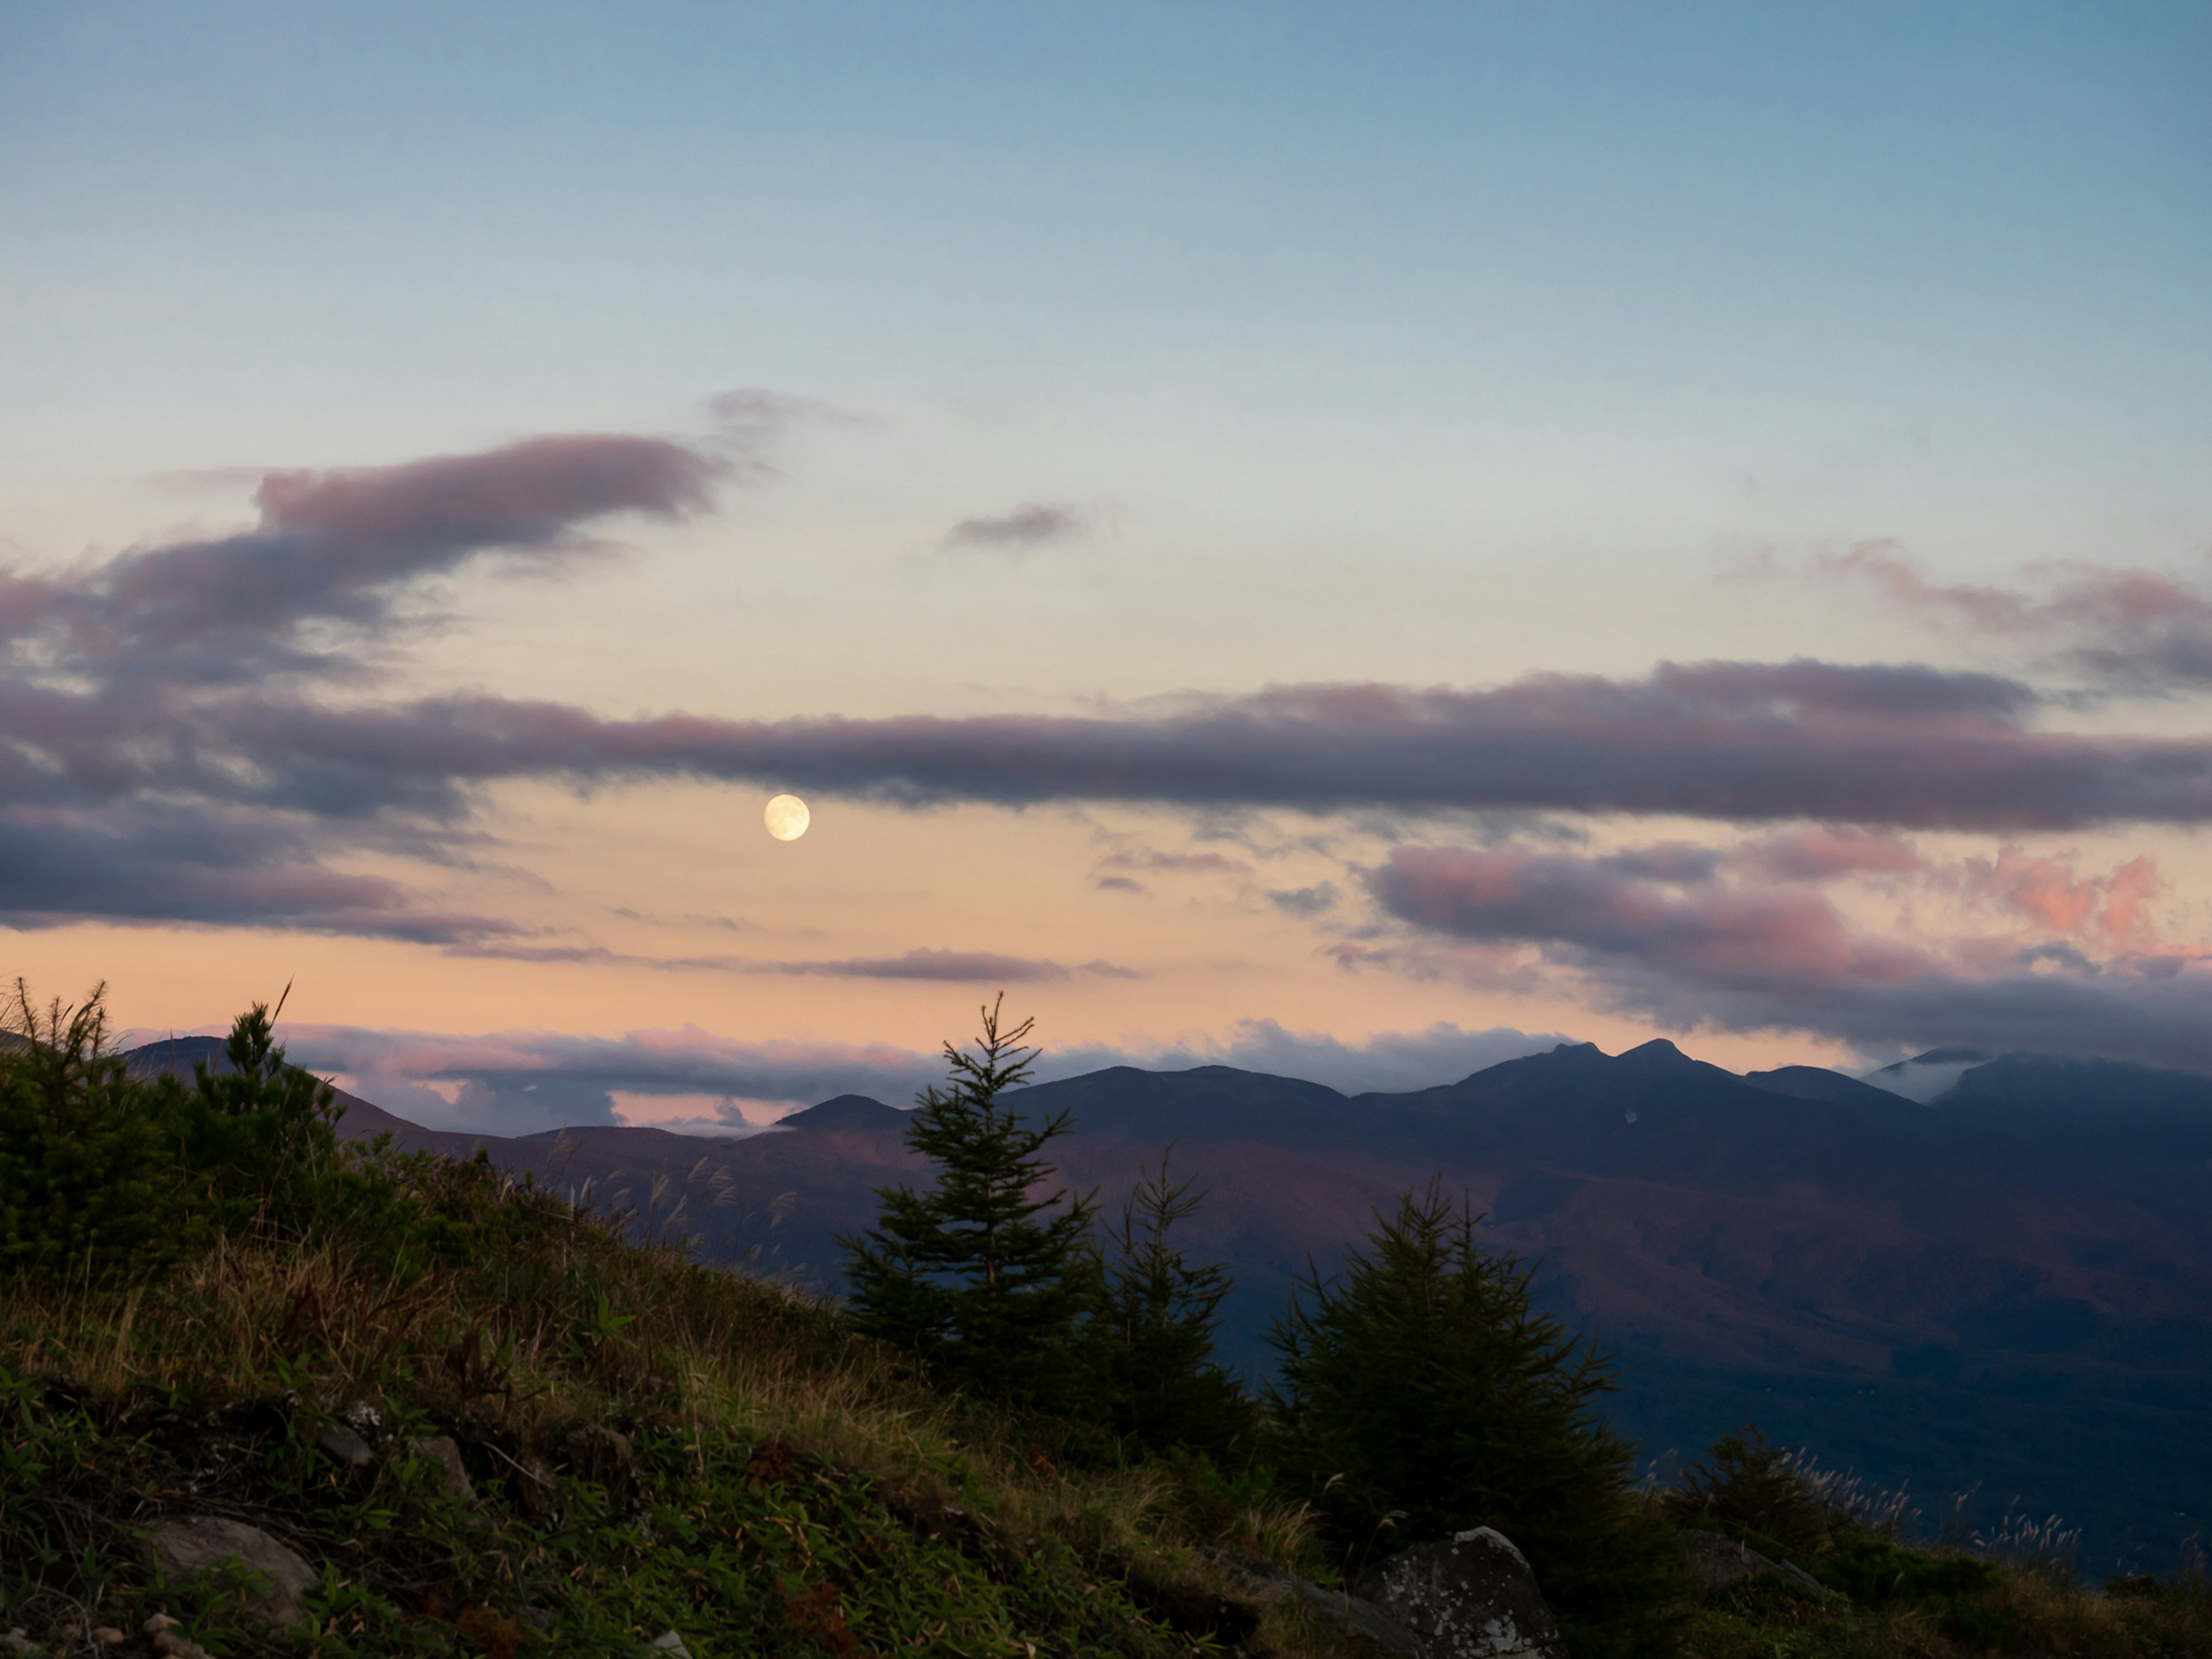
(89, 1177)
(1422, 1395)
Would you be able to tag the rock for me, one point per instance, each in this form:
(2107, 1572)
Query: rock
(17, 1641)
(1471, 1596)
(108, 1637)
(453, 1473)
(1259, 1584)
(160, 1622)
(341, 1445)
(1718, 1563)
(670, 1642)
(186, 1547)
(170, 1645)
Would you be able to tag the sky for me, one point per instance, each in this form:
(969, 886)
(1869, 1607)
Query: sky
(1358, 542)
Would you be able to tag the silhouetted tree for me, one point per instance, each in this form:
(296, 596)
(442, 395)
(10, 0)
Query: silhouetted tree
(1421, 1395)
(989, 1286)
(258, 1139)
(1157, 1327)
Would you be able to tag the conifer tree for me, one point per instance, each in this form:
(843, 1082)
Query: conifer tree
(258, 1138)
(992, 1287)
(1422, 1394)
(1157, 1330)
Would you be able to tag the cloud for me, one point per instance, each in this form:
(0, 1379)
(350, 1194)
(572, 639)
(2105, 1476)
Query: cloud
(339, 548)
(1733, 954)
(1213, 863)
(2139, 631)
(162, 862)
(1720, 935)
(1907, 747)
(1822, 851)
(522, 1082)
(1305, 901)
(958, 967)
(2114, 910)
(1030, 526)
(128, 789)
(171, 747)
(519, 1082)
(1385, 1062)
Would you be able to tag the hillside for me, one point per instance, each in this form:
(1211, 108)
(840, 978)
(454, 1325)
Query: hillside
(2011, 1284)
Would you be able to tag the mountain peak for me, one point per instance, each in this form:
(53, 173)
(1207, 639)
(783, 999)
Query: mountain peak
(863, 1112)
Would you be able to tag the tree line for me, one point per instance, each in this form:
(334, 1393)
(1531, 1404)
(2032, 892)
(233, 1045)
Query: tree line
(1419, 1392)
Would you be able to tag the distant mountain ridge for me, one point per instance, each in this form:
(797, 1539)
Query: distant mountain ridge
(2011, 1283)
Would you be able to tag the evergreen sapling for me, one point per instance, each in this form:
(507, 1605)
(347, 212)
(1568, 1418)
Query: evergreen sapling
(988, 1286)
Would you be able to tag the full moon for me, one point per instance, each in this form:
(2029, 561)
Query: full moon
(787, 818)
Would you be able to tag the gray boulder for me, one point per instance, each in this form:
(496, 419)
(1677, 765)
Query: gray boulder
(187, 1547)
(1718, 1563)
(452, 1472)
(341, 1445)
(1470, 1597)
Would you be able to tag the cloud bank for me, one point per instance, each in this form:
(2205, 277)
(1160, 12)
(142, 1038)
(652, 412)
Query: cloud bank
(1717, 943)
(522, 1083)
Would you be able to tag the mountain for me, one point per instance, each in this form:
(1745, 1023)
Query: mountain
(2008, 1283)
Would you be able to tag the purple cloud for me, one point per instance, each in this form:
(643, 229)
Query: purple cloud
(1889, 746)
(1733, 954)
(2144, 632)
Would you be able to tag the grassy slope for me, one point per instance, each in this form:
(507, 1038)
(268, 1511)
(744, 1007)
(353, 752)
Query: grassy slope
(786, 1488)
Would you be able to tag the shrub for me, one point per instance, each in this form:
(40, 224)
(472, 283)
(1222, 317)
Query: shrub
(89, 1180)
(1758, 1493)
(1421, 1392)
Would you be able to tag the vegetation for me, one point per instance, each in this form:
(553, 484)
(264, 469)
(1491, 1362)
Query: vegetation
(1875, 1595)
(205, 1293)
(1155, 1331)
(986, 1284)
(1422, 1395)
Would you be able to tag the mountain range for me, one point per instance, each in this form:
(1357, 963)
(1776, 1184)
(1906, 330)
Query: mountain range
(2003, 1285)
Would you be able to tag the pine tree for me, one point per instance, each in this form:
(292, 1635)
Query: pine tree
(258, 1138)
(1157, 1331)
(1422, 1394)
(990, 1286)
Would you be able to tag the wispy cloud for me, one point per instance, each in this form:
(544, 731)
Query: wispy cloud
(956, 967)
(1033, 525)
(2146, 632)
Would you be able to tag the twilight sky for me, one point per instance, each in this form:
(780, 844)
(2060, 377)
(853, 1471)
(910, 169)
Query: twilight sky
(1352, 541)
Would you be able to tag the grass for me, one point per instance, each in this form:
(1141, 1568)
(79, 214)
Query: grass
(655, 1445)
(780, 1484)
